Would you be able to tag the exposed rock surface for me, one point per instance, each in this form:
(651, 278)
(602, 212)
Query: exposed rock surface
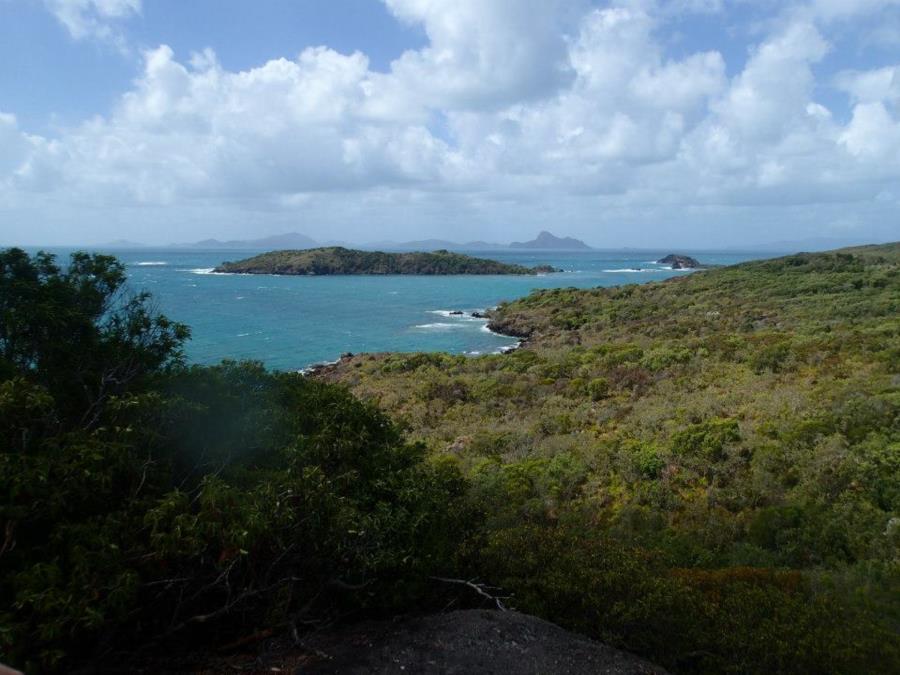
(679, 262)
(466, 642)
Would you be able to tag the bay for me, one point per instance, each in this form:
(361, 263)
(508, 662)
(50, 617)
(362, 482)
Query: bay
(289, 323)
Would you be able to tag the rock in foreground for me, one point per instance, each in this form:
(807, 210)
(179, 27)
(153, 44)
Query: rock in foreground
(467, 642)
(339, 260)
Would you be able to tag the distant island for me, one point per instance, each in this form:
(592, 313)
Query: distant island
(546, 240)
(679, 262)
(339, 260)
(288, 240)
(296, 240)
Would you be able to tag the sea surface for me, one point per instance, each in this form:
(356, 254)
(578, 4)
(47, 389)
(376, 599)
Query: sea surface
(289, 323)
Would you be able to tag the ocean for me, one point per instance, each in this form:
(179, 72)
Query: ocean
(289, 323)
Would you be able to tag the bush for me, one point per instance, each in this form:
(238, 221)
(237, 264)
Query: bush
(188, 505)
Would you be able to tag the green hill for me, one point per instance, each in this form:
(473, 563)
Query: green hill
(339, 260)
(704, 470)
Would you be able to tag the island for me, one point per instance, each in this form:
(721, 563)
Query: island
(547, 241)
(679, 262)
(339, 260)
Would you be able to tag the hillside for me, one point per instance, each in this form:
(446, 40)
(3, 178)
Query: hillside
(723, 448)
(548, 241)
(338, 260)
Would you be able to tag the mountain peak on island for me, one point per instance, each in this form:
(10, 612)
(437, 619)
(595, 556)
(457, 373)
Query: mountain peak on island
(281, 241)
(546, 240)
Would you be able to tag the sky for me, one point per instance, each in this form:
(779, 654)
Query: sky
(642, 123)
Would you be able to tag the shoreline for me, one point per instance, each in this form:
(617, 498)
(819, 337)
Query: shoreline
(323, 367)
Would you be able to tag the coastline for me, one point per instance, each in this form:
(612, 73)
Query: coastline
(325, 367)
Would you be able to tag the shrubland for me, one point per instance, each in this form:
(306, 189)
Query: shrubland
(705, 470)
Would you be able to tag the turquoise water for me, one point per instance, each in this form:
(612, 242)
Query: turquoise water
(292, 322)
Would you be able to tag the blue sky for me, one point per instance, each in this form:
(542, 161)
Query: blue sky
(625, 123)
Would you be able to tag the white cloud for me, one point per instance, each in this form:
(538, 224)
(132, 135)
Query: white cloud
(881, 84)
(873, 134)
(484, 54)
(512, 112)
(93, 18)
(841, 9)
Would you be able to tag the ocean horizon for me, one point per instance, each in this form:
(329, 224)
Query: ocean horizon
(293, 322)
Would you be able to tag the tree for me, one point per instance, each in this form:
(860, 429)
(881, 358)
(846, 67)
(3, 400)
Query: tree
(78, 332)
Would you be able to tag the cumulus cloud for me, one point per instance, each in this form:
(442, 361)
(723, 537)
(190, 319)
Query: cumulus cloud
(880, 84)
(93, 18)
(485, 54)
(513, 108)
(286, 127)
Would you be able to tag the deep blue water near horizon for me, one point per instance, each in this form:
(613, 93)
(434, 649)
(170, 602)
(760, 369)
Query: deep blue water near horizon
(290, 322)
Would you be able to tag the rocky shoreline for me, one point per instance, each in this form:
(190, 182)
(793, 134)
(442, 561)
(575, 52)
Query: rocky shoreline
(498, 327)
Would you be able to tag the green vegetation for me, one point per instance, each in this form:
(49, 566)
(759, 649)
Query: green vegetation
(338, 260)
(152, 504)
(705, 471)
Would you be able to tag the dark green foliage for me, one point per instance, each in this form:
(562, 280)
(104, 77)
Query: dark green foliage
(339, 260)
(77, 331)
(188, 505)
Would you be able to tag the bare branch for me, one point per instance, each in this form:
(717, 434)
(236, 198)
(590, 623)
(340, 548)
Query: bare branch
(478, 588)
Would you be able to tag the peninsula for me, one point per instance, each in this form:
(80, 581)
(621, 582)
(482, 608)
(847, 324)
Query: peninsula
(339, 260)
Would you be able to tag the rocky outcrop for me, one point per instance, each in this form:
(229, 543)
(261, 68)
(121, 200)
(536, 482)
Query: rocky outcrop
(513, 326)
(679, 262)
(470, 642)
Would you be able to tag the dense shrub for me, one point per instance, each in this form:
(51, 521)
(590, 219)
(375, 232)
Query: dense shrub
(187, 502)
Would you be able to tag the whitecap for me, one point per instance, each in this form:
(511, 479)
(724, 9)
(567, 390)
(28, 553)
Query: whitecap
(151, 263)
(243, 334)
(464, 316)
(628, 270)
(437, 326)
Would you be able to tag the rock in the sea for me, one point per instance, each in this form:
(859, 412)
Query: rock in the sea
(479, 315)
(456, 312)
(679, 262)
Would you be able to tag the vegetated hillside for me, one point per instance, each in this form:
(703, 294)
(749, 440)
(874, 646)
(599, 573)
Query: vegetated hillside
(148, 508)
(338, 260)
(705, 470)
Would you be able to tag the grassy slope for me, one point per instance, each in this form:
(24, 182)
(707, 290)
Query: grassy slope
(338, 260)
(746, 416)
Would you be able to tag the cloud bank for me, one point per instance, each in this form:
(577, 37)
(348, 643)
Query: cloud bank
(518, 114)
